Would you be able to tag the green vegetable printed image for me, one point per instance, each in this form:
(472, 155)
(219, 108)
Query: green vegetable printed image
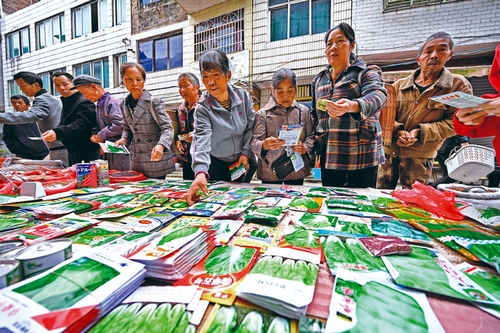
(245, 319)
(139, 317)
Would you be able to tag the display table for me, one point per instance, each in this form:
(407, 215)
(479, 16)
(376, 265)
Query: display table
(454, 315)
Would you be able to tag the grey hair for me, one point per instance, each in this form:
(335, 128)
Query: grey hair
(191, 77)
(283, 74)
(436, 35)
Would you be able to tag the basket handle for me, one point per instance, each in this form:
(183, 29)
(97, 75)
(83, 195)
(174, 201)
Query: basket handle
(470, 188)
(454, 151)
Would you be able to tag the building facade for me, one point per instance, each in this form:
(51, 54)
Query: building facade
(79, 37)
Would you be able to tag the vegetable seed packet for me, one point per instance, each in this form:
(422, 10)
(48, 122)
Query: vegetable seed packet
(233, 209)
(295, 273)
(225, 229)
(349, 254)
(245, 317)
(220, 273)
(186, 221)
(152, 308)
(401, 229)
(265, 215)
(312, 220)
(258, 236)
(487, 280)
(308, 204)
(202, 209)
(237, 170)
(435, 274)
(367, 302)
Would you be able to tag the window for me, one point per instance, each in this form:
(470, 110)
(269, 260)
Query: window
(48, 84)
(14, 89)
(120, 11)
(50, 31)
(97, 68)
(224, 32)
(161, 54)
(390, 5)
(90, 18)
(119, 59)
(147, 2)
(18, 43)
(293, 18)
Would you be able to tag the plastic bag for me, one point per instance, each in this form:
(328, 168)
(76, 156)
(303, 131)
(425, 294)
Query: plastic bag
(434, 201)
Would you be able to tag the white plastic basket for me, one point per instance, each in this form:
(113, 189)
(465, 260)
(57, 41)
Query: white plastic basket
(470, 163)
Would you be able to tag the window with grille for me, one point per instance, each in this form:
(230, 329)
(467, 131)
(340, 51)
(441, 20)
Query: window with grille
(89, 18)
(18, 43)
(390, 5)
(161, 53)
(97, 68)
(225, 32)
(50, 31)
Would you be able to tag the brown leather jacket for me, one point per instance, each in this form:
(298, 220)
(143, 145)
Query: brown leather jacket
(415, 110)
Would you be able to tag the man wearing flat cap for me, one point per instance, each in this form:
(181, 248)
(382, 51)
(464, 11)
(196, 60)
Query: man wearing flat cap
(45, 111)
(109, 118)
(78, 119)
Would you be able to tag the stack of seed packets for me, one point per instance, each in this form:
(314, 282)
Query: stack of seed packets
(171, 255)
(219, 273)
(63, 226)
(283, 280)
(70, 296)
(155, 309)
(368, 302)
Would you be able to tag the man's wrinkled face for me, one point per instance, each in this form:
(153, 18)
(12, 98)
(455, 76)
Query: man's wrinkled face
(434, 56)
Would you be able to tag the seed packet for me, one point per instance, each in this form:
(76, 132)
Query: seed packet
(243, 317)
(202, 209)
(237, 170)
(308, 204)
(233, 209)
(220, 273)
(385, 245)
(435, 274)
(265, 215)
(349, 254)
(368, 302)
(258, 236)
(225, 229)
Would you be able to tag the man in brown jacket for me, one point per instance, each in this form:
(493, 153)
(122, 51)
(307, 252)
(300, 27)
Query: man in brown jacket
(421, 124)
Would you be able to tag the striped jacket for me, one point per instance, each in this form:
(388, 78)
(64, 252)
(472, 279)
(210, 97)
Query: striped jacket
(354, 140)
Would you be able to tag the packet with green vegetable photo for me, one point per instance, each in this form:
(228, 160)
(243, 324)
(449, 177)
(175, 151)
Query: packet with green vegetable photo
(368, 302)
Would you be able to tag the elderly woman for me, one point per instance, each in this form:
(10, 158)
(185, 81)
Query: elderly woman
(189, 89)
(348, 130)
(147, 127)
(282, 110)
(223, 125)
